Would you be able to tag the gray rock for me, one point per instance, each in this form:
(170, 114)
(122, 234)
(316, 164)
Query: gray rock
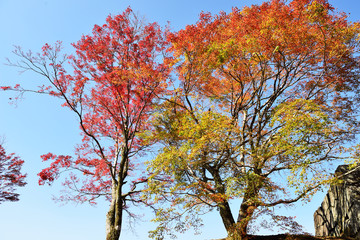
(339, 213)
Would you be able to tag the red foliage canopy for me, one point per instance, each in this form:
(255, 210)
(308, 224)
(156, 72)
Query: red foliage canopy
(118, 73)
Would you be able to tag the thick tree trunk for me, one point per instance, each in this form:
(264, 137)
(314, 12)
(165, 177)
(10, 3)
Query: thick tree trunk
(226, 216)
(245, 214)
(247, 208)
(223, 205)
(250, 203)
(114, 215)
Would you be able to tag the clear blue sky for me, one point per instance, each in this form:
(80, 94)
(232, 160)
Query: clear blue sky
(38, 124)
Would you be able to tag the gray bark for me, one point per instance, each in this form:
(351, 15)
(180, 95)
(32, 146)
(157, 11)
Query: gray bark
(339, 213)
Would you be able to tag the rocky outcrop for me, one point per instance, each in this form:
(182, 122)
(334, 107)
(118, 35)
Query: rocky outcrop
(339, 214)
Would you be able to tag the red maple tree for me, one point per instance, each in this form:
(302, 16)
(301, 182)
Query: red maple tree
(10, 176)
(118, 75)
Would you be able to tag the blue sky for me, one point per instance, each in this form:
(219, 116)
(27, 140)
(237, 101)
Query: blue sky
(38, 124)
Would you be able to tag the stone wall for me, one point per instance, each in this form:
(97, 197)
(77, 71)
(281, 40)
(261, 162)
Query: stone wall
(339, 213)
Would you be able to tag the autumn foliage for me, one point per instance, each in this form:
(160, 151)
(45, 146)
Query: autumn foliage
(115, 81)
(11, 176)
(118, 74)
(265, 97)
(268, 96)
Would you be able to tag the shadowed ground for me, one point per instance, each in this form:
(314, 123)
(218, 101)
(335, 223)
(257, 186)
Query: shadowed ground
(292, 237)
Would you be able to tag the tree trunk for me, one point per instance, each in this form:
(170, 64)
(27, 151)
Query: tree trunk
(245, 214)
(114, 215)
(223, 205)
(247, 208)
(250, 203)
(226, 216)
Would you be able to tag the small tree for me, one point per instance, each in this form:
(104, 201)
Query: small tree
(116, 80)
(10, 176)
(268, 97)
